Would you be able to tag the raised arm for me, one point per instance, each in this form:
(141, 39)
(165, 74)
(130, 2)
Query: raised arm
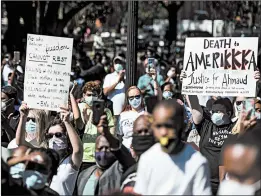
(196, 109)
(75, 108)
(120, 151)
(75, 140)
(107, 90)
(20, 132)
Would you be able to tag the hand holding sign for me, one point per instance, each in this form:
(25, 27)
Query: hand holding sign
(257, 75)
(24, 110)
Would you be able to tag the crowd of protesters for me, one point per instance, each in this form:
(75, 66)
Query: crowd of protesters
(186, 145)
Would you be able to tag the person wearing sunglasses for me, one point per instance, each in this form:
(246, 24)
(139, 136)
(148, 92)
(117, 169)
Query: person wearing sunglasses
(39, 167)
(30, 130)
(134, 107)
(171, 167)
(63, 138)
(91, 92)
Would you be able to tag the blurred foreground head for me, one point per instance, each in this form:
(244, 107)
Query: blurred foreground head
(242, 162)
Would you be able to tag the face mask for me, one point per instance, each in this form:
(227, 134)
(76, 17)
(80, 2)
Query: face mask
(30, 127)
(34, 179)
(142, 143)
(220, 119)
(167, 95)
(104, 159)
(230, 187)
(89, 100)
(258, 115)
(57, 144)
(7, 104)
(135, 103)
(118, 67)
(16, 171)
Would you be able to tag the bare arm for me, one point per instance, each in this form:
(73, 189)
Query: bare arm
(107, 90)
(75, 108)
(196, 109)
(20, 132)
(74, 139)
(222, 173)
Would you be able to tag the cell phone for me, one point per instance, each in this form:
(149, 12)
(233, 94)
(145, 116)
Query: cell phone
(150, 103)
(98, 111)
(249, 105)
(16, 57)
(151, 64)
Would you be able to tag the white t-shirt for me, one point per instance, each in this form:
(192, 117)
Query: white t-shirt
(8, 69)
(64, 182)
(162, 174)
(117, 96)
(126, 122)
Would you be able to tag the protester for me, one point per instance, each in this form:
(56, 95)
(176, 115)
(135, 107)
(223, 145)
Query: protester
(134, 106)
(38, 169)
(62, 137)
(114, 86)
(242, 126)
(9, 116)
(30, 130)
(150, 83)
(106, 175)
(142, 140)
(170, 159)
(91, 92)
(242, 162)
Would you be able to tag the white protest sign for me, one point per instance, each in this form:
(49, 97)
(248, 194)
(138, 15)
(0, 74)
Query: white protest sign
(47, 71)
(220, 66)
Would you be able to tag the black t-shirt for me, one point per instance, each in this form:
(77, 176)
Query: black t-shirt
(230, 139)
(212, 139)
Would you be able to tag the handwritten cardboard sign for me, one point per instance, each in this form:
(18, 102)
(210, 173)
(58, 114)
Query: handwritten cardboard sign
(47, 71)
(220, 66)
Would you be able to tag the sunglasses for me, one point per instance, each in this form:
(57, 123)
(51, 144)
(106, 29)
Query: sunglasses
(134, 97)
(239, 103)
(36, 167)
(28, 119)
(164, 125)
(92, 94)
(58, 135)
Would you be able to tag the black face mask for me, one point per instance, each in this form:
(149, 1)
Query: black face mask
(142, 143)
(104, 159)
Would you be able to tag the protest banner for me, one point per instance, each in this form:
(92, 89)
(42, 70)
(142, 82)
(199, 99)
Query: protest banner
(47, 71)
(220, 66)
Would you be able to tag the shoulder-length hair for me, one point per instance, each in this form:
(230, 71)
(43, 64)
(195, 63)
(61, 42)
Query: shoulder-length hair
(41, 123)
(57, 122)
(127, 106)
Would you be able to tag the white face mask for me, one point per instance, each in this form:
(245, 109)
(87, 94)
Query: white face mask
(34, 179)
(57, 144)
(17, 170)
(231, 187)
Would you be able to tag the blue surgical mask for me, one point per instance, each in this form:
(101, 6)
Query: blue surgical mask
(218, 119)
(135, 103)
(167, 95)
(17, 170)
(89, 100)
(34, 179)
(258, 115)
(30, 127)
(118, 67)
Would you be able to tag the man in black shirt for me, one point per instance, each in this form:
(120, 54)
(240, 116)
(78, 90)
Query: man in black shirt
(213, 132)
(9, 116)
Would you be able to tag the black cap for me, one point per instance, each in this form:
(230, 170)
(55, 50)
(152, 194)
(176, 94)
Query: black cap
(10, 91)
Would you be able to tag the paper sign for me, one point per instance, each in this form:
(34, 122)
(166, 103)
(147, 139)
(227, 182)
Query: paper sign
(220, 66)
(47, 71)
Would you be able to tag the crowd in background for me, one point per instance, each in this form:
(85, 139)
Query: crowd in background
(188, 145)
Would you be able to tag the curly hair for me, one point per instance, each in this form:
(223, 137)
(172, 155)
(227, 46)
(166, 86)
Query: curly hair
(92, 86)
